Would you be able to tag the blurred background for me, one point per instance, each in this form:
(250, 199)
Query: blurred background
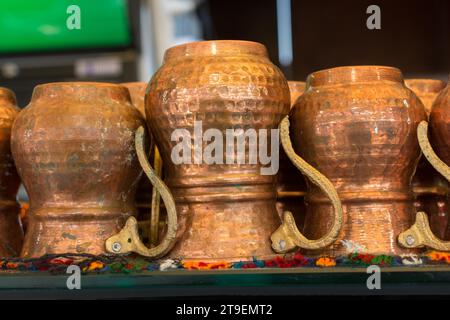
(124, 40)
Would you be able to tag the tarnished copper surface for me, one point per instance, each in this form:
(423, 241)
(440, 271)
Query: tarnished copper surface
(357, 125)
(144, 190)
(11, 234)
(226, 211)
(73, 146)
(439, 130)
(430, 188)
(291, 185)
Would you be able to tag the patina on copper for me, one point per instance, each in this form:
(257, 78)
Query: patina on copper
(357, 125)
(291, 185)
(73, 146)
(11, 233)
(429, 186)
(226, 211)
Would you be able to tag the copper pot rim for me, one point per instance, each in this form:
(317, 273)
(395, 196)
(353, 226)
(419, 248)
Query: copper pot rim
(78, 88)
(7, 94)
(354, 74)
(216, 47)
(426, 85)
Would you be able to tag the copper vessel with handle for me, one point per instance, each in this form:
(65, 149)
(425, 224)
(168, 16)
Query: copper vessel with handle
(357, 126)
(291, 185)
(225, 211)
(73, 146)
(435, 146)
(11, 233)
(225, 204)
(430, 187)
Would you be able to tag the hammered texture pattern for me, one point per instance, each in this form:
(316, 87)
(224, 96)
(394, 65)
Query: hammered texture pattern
(225, 210)
(357, 125)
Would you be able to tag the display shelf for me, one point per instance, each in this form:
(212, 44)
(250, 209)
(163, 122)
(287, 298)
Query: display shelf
(429, 280)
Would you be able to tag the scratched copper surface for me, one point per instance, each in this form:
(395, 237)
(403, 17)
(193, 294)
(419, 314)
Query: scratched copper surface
(144, 190)
(439, 130)
(225, 211)
(430, 187)
(11, 233)
(357, 125)
(291, 185)
(73, 146)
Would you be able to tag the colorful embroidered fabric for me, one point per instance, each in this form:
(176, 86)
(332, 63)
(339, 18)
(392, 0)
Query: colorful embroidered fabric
(132, 263)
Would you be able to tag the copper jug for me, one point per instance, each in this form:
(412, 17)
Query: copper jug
(225, 211)
(430, 188)
(291, 186)
(11, 234)
(73, 146)
(435, 146)
(357, 125)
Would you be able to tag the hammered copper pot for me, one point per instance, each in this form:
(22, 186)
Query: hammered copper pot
(226, 211)
(439, 129)
(357, 125)
(429, 186)
(73, 146)
(11, 234)
(291, 185)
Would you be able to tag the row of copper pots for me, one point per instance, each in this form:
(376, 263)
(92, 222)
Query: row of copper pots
(79, 149)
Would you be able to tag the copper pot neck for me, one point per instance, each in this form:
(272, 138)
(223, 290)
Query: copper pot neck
(84, 91)
(354, 74)
(216, 48)
(7, 96)
(425, 85)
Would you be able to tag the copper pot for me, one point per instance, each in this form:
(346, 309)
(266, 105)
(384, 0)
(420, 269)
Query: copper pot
(144, 190)
(11, 234)
(438, 154)
(357, 126)
(291, 186)
(226, 211)
(74, 149)
(430, 188)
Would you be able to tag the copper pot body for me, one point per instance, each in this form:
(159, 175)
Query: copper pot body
(430, 187)
(357, 125)
(291, 185)
(73, 146)
(439, 129)
(11, 233)
(144, 190)
(226, 211)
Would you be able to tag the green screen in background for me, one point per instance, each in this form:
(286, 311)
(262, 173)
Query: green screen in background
(40, 25)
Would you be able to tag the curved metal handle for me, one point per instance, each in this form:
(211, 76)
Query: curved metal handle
(420, 234)
(128, 240)
(287, 237)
